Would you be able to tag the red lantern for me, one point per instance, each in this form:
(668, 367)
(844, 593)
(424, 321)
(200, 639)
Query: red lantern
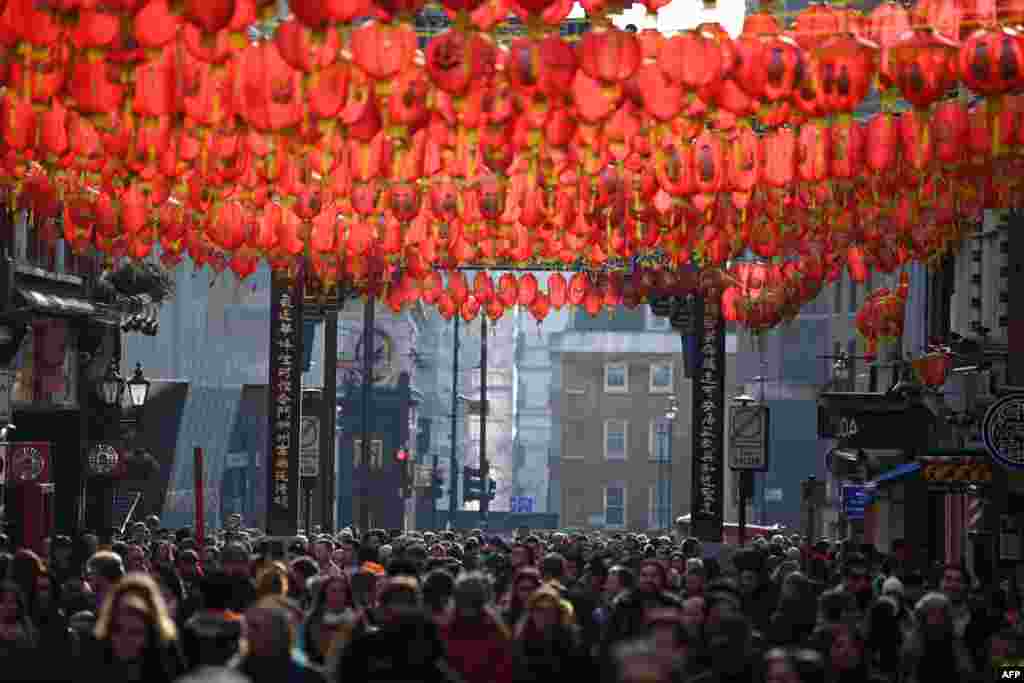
(923, 67)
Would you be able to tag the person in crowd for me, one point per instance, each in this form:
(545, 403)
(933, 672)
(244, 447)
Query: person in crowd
(524, 583)
(695, 578)
(796, 615)
(214, 674)
(478, 641)
(331, 618)
(135, 640)
(407, 648)
(103, 571)
(971, 624)
(547, 642)
(438, 587)
(730, 651)
(266, 651)
(934, 652)
(211, 636)
(626, 619)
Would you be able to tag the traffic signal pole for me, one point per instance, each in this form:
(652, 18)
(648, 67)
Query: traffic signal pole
(453, 470)
(485, 469)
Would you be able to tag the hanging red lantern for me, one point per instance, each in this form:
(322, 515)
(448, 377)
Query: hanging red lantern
(923, 66)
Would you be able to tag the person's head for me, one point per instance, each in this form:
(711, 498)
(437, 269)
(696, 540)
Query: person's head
(524, 583)
(934, 614)
(857, 576)
(103, 570)
(473, 594)
(835, 606)
(214, 674)
(693, 614)
(544, 610)
(398, 592)
(955, 582)
(13, 607)
(521, 556)
(638, 661)
(652, 577)
(336, 593)
(778, 668)
(187, 564)
(267, 630)
(134, 619)
(552, 567)
(620, 578)
(438, 587)
(272, 579)
(236, 560)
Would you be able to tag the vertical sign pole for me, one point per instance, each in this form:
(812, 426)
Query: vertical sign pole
(329, 421)
(707, 483)
(200, 497)
(369, 323)
(485, 468)
(284, 391)
(453, 469)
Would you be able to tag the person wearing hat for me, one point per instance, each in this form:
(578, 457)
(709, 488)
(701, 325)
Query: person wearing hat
(211, 636)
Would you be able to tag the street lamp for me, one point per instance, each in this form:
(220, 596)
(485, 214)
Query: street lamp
(138, 387)
(111, 386)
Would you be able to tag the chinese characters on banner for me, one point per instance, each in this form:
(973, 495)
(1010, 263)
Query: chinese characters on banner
(708, 424)
(284, 389)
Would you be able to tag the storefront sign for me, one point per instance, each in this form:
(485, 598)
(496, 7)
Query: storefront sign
(285, 396)
(856, 499)
(1002, 430)
(956, 472)
(708, 425)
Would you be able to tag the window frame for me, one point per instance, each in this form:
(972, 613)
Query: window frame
(625, 504)
(609, 389)
(651, 387)
(652, 440)
(652, 505)
(625, 439)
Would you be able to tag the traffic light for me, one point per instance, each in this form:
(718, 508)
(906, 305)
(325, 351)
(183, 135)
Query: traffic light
(492, 489)
(405, 465)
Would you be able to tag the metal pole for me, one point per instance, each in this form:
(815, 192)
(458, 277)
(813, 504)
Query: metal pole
(433, 491)
(453, 469)
(328, 435)
(485, 468)
(742, 516)
(369, 312)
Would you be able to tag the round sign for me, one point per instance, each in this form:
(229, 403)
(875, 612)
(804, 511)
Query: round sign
(103, 459)
(1003, 431)
(28, 464)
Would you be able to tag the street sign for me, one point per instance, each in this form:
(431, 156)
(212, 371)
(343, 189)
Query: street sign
(748, 438)
(309, 446)
(872, 421)
(856, 498)
(773, 495)
(521, 504)
(423, 476)
(1002, 430)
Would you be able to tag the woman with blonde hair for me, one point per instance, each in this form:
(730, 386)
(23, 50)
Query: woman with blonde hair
(272, 580)
(547, 642)
(267, 649)
(135, 637)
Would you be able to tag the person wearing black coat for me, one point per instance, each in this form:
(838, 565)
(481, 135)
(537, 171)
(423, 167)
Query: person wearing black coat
(211, 636)
(626, 619)
(405, 649)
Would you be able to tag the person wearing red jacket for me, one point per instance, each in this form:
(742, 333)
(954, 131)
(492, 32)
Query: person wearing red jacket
(478, 641)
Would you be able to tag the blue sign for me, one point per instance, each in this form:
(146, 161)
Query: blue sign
(1002, 430)
(856, 499)
(523, 504)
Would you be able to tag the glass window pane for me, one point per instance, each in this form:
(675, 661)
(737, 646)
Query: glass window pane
(614, 496)
(661, 375)
(616, 376)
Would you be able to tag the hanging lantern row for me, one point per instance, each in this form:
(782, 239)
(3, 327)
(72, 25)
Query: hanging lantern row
(880, 318)
(145, 122)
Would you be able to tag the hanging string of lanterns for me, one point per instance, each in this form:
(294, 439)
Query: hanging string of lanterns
(881, 317)
(144, 122)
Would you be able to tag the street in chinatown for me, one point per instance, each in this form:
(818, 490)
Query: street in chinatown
(498, 340)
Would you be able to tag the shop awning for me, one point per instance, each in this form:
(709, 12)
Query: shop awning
(896, 473)
(56, 304)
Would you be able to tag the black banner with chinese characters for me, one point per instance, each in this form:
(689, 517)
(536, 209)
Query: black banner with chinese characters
(706, 497)
(284, 389)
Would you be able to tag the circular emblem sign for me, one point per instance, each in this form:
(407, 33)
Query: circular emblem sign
(103, 459)
(1003, 431)
(28, 464)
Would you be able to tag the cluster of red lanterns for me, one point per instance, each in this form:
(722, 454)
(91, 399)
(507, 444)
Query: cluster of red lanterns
(145, 122)
(881, 317)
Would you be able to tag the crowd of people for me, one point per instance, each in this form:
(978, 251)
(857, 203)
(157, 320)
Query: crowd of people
(439, 607)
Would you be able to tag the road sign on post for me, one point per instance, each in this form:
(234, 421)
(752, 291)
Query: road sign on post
(748, 438)
(309, 447)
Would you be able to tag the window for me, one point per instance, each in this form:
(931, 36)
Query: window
(615, 439)
(657, 323)
(661, 378)
(659, 512)
(660, 446)
(616, 378)
(615, 506)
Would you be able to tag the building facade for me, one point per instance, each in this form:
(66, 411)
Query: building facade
(621, 461)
